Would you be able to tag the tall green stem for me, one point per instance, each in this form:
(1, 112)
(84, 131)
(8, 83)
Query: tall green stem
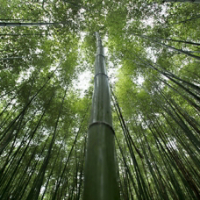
(100, 168)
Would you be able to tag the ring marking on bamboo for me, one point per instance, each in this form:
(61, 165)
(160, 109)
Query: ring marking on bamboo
(101, 122)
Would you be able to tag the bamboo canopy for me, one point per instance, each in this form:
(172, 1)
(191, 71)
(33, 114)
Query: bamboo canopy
(52, 147)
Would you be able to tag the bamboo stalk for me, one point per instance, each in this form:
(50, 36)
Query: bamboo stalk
(100, 167)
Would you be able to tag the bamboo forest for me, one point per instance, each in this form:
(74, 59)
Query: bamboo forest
(99, 100)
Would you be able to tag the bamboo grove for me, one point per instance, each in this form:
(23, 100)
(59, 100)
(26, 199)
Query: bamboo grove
(153, 65)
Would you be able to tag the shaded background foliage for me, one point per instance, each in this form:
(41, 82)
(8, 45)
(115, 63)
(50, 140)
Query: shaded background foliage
(154, 48)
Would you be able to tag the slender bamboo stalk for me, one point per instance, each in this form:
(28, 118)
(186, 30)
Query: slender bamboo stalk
(10, 58)
(100, 167)
(170, 47)
(26, 34)
(32, 24)
(191, 1)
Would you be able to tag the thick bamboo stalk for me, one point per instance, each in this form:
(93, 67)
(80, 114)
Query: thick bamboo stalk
(100, 168)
